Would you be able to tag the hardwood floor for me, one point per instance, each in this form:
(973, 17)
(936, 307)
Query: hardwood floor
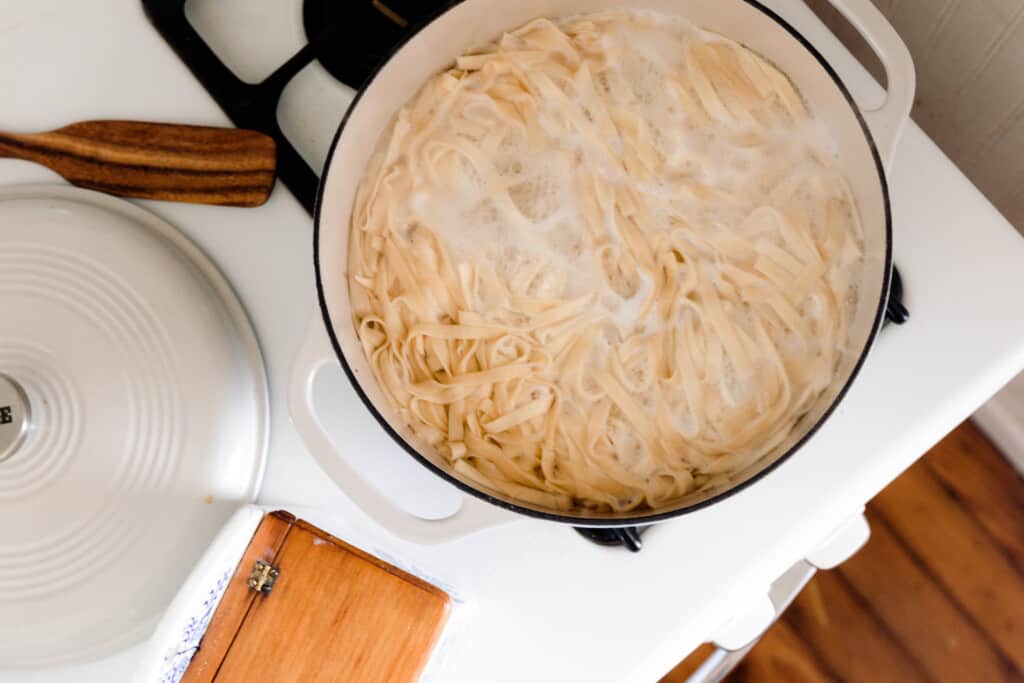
(937, 594)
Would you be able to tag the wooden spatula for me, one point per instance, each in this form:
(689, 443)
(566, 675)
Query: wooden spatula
(195, 164)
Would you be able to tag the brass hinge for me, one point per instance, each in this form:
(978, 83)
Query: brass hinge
(263, 577)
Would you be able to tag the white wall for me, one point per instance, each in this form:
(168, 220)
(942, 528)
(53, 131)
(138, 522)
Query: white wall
(1002, 419)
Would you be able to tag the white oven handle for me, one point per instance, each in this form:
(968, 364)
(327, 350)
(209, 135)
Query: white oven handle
(473, 515)
(738, 636)
(726, 657)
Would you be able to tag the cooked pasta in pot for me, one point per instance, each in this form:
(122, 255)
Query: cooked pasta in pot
(604, 260)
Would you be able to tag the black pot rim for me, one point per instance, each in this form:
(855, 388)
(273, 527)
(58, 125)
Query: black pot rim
(655, 516)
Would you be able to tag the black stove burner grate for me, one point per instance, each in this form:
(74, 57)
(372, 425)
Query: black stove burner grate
(349, 39)
(629, 537)
(895, 312)
(371, 30)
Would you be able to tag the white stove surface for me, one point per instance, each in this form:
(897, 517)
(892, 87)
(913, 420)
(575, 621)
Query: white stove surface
(540, 602)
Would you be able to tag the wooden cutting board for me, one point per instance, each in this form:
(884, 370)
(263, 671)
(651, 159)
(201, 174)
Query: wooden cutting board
(306, 606)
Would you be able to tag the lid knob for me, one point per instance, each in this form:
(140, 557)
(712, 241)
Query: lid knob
(14, 416)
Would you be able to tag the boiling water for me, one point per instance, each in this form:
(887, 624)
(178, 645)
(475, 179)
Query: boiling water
(642, 55)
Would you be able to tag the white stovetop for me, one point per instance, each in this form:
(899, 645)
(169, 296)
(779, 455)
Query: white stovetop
(541, 603)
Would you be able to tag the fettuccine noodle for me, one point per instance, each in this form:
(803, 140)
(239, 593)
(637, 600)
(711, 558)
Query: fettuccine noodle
(604, 261)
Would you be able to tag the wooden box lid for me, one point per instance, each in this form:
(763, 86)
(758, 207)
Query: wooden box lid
(303, 605)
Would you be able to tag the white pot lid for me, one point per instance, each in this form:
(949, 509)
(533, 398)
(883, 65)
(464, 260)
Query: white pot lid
(147, 420)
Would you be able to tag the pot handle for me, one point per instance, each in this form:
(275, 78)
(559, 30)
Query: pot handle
(886, 121)
(473, 515)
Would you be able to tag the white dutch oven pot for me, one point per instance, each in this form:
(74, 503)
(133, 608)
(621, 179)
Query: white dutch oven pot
(865, 141)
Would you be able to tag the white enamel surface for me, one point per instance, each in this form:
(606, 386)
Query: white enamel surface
(474, 22)
(537, 590)
(180, 631)
(148, 405)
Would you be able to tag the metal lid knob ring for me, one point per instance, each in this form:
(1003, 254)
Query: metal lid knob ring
(15, 417)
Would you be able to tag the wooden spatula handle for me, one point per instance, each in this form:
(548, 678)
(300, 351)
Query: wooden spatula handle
(197, 164)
